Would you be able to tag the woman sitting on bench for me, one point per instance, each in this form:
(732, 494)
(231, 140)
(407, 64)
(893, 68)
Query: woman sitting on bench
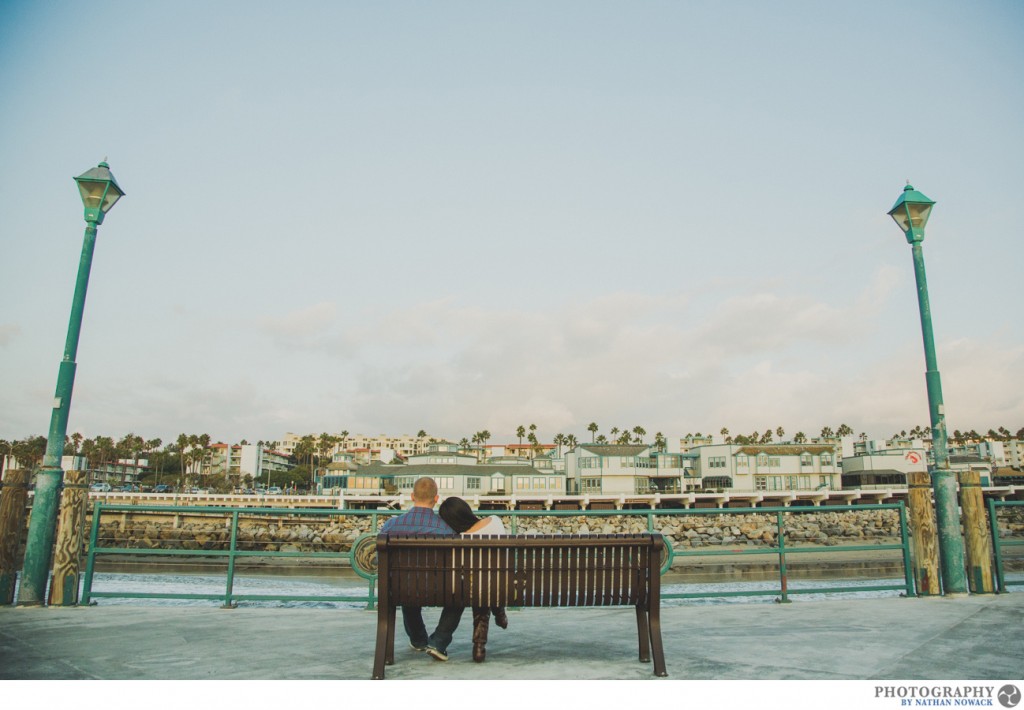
(459, 516)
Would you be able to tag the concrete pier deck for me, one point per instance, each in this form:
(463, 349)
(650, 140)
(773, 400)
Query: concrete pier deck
(966, 638)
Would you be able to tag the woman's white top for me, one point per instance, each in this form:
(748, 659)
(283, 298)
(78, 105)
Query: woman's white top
(493, 527)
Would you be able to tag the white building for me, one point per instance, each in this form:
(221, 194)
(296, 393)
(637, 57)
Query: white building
(768, 467)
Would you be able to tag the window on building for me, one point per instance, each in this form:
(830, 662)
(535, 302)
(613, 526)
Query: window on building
(589, 462)
(590, 485)
(741, 461)
(472, 483)
(522, 483)
(538, 484)
(716, 462)
(760, 483)
(805, 459)
(826, 459)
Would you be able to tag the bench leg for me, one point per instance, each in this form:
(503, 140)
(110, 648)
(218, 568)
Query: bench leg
(644, 634)
(389, 658)
(383, 634)
(659, 650)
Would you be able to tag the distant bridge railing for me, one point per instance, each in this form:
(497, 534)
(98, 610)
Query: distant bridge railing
(360, 552)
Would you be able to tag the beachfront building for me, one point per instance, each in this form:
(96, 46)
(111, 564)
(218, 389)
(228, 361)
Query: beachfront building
(625, 469)
(767, 467)
(366, 447)
(528, 452)
(883, 464)
(236, 461)
(457, 474)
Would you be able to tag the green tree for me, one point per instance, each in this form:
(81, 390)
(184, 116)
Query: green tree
(571, 442)
(520, 432)
(659, 442)
(780, 432)
(800, 438)
(639, 433)
(592, 428)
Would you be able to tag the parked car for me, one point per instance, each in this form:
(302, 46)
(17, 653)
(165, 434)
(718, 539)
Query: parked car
(101, 488)
(274, 491)
(162, 488)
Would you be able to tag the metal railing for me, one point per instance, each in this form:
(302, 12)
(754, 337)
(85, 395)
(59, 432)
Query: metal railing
(231, 554)
(1000, 544)
(782, 550)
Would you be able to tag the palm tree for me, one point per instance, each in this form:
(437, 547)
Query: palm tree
(559, 440)
(766, 438)
(780, 432)
(592, 428)
(826, 432)
(640, 433)
(844, 430)
(421, 434)
(601, 439)
(799, 438)
(571, 441)
(659, 442)
(520, 432)
(614, 431)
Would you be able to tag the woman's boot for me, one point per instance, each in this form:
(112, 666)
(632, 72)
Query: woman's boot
(481, 620)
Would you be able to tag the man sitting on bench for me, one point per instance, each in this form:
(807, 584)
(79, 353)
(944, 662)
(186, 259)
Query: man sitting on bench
(422, 520)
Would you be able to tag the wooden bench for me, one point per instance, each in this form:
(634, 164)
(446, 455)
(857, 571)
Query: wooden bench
(529, 571)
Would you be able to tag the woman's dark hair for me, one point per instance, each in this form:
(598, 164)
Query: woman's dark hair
(457, 513)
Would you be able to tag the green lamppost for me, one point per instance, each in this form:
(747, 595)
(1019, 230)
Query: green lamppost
(911, 213)
(99, 193)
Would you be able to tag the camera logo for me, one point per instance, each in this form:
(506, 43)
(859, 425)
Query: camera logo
(1009, 696)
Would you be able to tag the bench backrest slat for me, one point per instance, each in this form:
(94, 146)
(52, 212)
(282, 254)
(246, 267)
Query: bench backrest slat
(549, 570)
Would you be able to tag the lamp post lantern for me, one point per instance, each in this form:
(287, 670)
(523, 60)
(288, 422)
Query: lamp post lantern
(99, 192)
(911, 213)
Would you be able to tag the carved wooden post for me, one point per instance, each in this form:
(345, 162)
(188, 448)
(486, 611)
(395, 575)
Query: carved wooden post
(924, 534)
(977, 531)
(13, 499)
(70, 531)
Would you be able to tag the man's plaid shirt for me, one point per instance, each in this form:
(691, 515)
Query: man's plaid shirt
(417, 521)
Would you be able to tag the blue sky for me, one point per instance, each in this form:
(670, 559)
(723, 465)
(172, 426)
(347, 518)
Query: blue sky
(452, 216)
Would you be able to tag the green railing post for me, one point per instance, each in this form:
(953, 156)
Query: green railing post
(996, 547)
(908, 573)
(90, 560)
(783, 578)
(232, 549)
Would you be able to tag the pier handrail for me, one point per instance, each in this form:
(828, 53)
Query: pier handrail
(782, 550)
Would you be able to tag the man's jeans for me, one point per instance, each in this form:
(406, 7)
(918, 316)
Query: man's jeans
(412, 617)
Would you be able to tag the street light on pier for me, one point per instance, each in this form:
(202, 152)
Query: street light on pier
(100, 192)
(911, 213)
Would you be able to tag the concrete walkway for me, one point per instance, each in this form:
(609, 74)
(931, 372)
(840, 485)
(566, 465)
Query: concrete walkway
(968, 638)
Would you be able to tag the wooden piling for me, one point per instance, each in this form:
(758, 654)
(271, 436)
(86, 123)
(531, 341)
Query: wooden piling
(980, 576)
(924, 534)
(13, 508)
(67, 554)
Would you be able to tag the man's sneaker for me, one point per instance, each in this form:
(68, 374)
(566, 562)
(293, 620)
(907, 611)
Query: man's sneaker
(436, 654)
(414, 647)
